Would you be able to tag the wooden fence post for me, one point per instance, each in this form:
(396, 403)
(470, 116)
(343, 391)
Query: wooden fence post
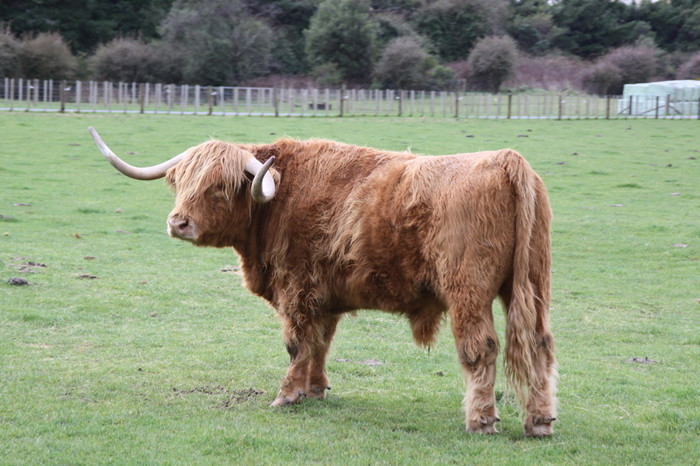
(457, 102)
(210, 100)
(341, 99)
(275, 101)
(78, 95)
(62, 96)
(607, 107)
(656, 108)
(561, 107)
(221, 100)
(36, 87)
(399, 97)
(630, 112)
(142, 97)
(510, 105)
(12, 94)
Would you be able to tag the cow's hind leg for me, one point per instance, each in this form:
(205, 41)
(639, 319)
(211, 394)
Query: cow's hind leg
(477, 348)
(541, 400)
(307, 343)
(540, 397)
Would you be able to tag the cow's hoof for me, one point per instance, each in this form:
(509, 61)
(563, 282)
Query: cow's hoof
(318, 392)
(539, 426)
(281, 401)
(286, 400)
(485, 425)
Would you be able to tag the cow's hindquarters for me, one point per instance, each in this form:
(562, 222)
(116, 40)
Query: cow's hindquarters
(475, 240)
(494, 240)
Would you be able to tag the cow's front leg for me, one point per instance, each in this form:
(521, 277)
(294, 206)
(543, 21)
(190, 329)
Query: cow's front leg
(318, 379)
(307, 341)
(293, 388)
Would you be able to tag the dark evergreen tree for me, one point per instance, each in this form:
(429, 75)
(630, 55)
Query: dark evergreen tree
(289, 19)
(689, 34)
(85, 24)
(217, 41)
(342, 33)
(675, 23)
(532, 26)
(591, 26)
(453, 26)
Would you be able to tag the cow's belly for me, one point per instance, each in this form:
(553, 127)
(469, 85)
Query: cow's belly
(386, 290)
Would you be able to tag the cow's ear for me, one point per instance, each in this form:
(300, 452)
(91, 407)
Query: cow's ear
(275, 175)
(264, 187)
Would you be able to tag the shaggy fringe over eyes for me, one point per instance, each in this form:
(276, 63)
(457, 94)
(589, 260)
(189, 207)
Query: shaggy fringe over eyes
(212, 164)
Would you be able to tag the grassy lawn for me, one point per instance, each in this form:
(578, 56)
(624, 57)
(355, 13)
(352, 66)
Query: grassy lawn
(131, 347)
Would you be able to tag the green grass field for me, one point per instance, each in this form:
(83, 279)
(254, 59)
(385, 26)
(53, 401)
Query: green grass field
(130, 347)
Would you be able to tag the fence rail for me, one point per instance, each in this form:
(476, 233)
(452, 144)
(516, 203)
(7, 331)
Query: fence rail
(120, 97)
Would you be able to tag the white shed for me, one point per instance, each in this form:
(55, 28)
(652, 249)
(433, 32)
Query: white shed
(665, 97)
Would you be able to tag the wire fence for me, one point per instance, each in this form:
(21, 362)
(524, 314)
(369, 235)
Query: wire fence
(121, 97)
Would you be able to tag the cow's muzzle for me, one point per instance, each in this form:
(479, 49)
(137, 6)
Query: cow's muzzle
(182, 228)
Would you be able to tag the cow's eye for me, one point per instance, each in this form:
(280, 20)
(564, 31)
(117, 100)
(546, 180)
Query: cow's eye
(218, 193)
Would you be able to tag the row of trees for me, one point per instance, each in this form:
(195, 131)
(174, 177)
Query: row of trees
(392, 43)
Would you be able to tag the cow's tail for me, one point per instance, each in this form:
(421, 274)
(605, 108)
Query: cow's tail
(529, 353)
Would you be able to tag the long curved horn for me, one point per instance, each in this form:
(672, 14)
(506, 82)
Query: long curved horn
(139, 173)
(263, 189)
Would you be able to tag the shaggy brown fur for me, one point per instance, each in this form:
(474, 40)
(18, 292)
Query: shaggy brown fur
(359, 228)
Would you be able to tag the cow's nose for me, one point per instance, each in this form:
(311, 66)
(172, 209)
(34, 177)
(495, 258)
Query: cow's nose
(180, 227)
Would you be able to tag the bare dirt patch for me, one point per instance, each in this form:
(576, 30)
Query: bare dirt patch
(27, 266)
(206, 390)
(644, 360)
(232, 398)
(18, 281)
(234, 269)
(237, 397)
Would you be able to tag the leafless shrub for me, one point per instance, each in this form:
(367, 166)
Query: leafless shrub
(403, 65)
(624, 65)
(46, 56)
(637, 63)
(603, 78)
(548, 72)
(690, 69)
(9, 51)
(491, 62)
(127, 60)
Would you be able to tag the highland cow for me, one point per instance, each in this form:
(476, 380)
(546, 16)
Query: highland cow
(331, 228)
